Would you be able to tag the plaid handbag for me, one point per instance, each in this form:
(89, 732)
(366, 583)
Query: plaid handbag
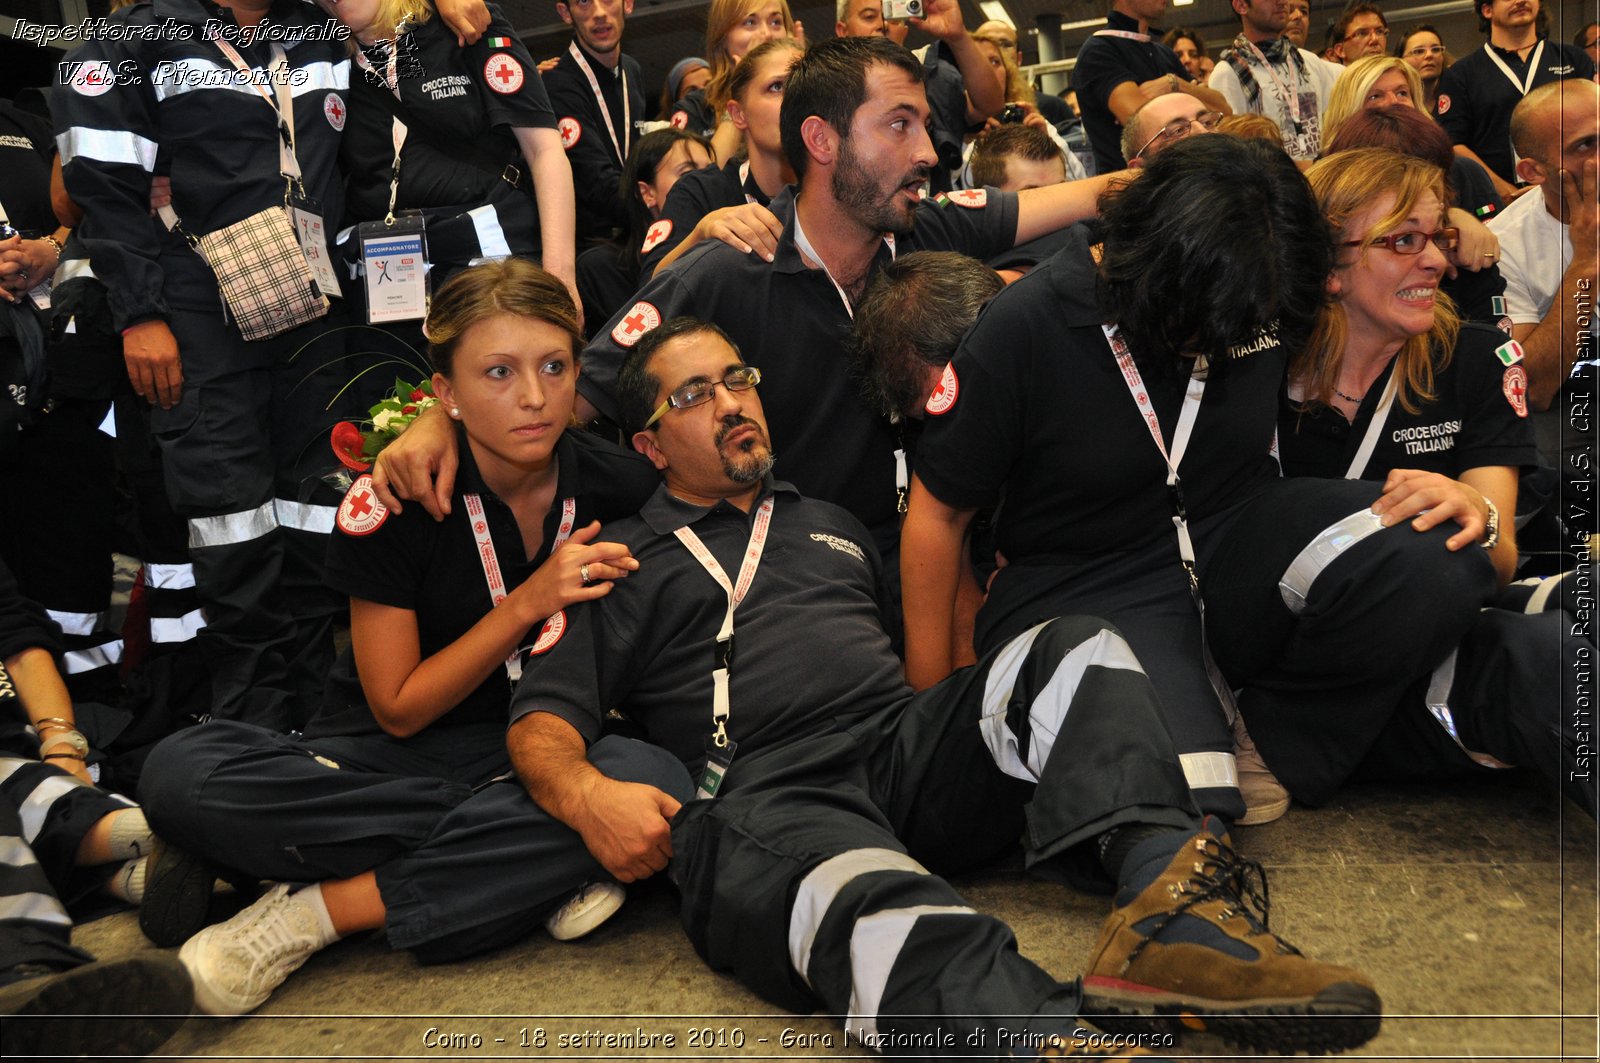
(262, 274)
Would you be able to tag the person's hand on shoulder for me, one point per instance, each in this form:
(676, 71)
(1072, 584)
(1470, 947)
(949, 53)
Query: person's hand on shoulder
(420, 465)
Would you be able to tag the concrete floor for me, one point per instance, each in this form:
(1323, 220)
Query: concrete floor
(1473, 907)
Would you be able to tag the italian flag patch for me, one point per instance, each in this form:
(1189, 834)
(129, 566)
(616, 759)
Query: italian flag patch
(499, 42)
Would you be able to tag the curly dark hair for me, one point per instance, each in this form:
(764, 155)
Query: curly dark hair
(1220, 240)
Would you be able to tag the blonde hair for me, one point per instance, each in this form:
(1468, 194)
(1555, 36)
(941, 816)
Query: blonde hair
(721, 17)
(1251, 126)
(510, 286)
(1350, 91)
(1345, 184)
(1018, 90)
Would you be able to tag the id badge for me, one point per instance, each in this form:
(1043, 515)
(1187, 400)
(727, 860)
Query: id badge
(40, 294)
(307, 217)
(395, 258)
(717, 762)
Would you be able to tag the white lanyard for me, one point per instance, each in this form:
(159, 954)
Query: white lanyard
(1142, 38)
(491, 563)
(1291, 97)
(735, 592)
(1526, 84)
(283, 105)
(397, 130)
(902, 479)
(621, 147)
(810, 252)
(1180, 438)
(1358, 464)
(1180, 518)
(744, 182)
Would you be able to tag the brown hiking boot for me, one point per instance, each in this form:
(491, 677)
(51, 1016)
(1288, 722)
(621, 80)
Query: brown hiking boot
(1187, 948)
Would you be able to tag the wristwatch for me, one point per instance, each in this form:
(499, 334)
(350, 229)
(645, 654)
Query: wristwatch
(73, 740)
(1491, 527)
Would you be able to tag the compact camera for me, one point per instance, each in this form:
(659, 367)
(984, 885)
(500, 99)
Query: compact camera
(1011, 114)
(900, 10)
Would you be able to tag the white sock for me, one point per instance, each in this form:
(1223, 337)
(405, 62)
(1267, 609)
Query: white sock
(130, 835)
(311, 897)
(128, 883)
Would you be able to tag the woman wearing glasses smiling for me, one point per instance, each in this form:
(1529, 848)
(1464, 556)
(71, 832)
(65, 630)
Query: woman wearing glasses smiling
(1393, 388)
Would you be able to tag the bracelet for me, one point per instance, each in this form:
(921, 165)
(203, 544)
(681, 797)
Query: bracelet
(51, 240)
(54, 722)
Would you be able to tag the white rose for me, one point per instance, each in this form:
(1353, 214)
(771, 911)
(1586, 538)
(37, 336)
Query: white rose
(384, 418)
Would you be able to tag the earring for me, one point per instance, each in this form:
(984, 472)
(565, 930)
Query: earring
(455, 411)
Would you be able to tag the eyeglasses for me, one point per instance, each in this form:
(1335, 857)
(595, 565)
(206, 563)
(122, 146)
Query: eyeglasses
(1412, 241)
(1424, 49)
(1179, 128)
(1367, 34)
(742, 378)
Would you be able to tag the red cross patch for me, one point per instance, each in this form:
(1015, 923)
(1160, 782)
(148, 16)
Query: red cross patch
(571, 132)
(971, 198)
(639, 319)
(361, 513)
(657, 233)
(503, 73)
(1515, 386)
(93, 79)
(550, 634)
(1444, 104)
(679, 120)
(333, 110)
(944, 396)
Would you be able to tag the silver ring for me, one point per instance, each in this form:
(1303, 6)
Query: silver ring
(583, 573)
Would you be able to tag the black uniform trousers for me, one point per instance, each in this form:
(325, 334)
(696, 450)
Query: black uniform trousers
(1513, 695)
(244, 453)
(58, 534)
(1315, 685)
(1320, 677)
(813, 876)
(464, 863)
(44, 815)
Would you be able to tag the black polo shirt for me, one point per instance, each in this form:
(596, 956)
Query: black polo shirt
(1103, 64)
(1040, 415)
(809, 645)
(410, 561)
(596, 162)
(791, 322)
(460, 106)
(692, 198)
(1476, 98)
(1472, 423)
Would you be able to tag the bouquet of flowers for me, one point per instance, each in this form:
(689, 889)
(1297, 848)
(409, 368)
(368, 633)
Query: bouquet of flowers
(357, 447)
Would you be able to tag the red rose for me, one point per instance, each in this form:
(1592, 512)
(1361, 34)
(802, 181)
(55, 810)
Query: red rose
(417, 394)
(348, 446)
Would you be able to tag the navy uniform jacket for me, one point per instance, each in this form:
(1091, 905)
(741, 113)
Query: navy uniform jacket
(130, 109)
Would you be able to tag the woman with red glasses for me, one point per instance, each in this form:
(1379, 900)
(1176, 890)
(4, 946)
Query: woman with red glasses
(1394, 388)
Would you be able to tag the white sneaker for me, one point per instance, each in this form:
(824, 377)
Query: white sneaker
(585, 910)
(236, 965)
